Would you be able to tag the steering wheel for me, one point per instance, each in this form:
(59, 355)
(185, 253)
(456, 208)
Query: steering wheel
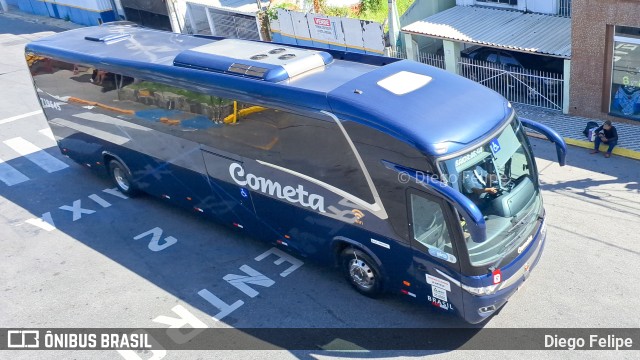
(498, 193)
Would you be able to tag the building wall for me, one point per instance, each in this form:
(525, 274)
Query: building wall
(592, 52)
(420, 10)
(84, 12)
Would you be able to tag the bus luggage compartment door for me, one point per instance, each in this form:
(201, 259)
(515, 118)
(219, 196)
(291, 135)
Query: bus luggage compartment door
(230, 202)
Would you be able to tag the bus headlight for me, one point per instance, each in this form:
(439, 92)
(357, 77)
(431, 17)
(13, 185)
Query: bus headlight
(481, 291)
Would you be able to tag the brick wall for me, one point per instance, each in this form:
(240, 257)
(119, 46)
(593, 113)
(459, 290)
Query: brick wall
(592, 48)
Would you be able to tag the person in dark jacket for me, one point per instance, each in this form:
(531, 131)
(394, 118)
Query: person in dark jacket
(607, 134)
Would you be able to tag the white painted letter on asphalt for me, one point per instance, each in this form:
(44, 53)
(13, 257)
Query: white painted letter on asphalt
(156, 234)
(100, 201)
(115, 192)
(76, 209)
(282, 258)
(45, 222)
(225, 309)
(185, 317)
(241, 281)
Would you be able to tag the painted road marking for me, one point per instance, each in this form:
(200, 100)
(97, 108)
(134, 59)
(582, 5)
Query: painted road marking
(100, 134)
(47, 132)
(9, 175)
(18, 117)
(36, 155)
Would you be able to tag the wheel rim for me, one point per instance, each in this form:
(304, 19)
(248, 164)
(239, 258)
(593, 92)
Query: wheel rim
(361, 274)
(121, 178)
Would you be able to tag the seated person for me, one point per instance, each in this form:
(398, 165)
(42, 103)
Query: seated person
(478, 181)
(607, 134)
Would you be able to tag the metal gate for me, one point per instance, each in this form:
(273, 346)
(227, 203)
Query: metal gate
(208, 20)
(423, 57)
(524, 86)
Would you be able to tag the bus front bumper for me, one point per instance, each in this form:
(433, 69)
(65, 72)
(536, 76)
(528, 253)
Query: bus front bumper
(479, 308)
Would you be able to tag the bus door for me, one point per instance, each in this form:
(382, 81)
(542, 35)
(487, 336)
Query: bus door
(435, 260)
(229, 201)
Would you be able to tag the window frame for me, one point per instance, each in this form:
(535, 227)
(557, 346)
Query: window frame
(454, 229)
(501, 2)
(621, 37)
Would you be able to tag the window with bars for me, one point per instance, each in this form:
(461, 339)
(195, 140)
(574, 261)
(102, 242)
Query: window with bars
(564, 8)
(508, 2)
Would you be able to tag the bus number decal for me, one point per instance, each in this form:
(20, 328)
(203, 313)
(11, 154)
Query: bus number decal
(470, 156)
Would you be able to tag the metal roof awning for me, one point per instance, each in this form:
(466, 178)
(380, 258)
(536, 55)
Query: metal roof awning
(514, 30)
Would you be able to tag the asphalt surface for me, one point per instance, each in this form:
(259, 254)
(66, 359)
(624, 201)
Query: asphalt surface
(76, 254)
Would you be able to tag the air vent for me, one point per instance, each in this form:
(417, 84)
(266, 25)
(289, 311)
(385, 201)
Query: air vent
(248, 70)
(108, 38)
(252, 59)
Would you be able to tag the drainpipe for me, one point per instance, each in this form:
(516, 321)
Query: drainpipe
(566, 86)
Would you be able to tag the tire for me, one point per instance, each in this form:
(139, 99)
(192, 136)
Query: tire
(361, 272)
(121, 176)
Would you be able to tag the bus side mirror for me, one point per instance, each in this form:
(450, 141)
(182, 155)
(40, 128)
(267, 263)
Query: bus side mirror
(469, 211)
(554, 137)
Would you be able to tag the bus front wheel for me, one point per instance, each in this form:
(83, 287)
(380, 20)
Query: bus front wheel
(122, 178)
(361, 272)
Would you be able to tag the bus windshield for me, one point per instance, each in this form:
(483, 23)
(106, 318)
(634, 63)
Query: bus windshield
(499, 177)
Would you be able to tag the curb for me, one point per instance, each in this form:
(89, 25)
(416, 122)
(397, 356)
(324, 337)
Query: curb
(616, 151)
(589, 145)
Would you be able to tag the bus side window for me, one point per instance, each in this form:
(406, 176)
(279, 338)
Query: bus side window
(315, 146)
(428, 224)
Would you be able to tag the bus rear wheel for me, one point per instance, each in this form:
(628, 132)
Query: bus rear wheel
(121, 176)
(361, 272)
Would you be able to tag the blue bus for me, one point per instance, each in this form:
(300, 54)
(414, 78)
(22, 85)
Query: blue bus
(408, 178)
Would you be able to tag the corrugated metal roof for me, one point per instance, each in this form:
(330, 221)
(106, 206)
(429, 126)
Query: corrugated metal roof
(537, 33)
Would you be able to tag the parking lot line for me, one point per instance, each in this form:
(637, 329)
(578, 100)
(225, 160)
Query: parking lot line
(18, 117)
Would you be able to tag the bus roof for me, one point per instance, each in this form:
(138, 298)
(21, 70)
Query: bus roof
(432, 109)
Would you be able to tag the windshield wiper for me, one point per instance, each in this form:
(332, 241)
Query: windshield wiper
(512, 244)
(519, 218)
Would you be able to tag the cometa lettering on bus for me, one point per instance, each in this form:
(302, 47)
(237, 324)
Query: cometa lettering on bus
(273, 188)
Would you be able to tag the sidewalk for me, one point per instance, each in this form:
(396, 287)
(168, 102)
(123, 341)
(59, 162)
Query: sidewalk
(15, 13)
(571, 127)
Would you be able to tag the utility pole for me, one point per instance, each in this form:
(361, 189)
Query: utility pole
(394, 24)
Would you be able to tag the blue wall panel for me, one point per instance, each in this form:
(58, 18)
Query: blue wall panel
(34, 7)
(76, 15)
